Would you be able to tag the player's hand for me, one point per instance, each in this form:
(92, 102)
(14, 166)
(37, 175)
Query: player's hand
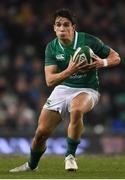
(74, 66)
(87, 67)
(97, 62)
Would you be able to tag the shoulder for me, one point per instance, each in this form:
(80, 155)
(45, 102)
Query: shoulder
(51, 47)
(97, 45)
(86, 34)
(81, 34)
(91, 37)
(88, 37)
(52, 44)
(92, 40)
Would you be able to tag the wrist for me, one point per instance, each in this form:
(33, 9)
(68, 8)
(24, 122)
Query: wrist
(105, 62)
(67, 72)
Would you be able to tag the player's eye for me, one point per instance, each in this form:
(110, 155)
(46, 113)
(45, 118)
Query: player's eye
(58, 24)
(66, 24)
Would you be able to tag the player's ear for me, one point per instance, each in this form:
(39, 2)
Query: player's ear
(54, 28)
(74, 27)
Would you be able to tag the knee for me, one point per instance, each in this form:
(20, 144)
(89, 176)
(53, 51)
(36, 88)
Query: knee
(77, 114)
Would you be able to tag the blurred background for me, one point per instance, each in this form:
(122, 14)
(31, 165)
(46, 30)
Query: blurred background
(25, 28)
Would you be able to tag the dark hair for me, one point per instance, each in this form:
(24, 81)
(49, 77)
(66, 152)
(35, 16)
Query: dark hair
(65, 13)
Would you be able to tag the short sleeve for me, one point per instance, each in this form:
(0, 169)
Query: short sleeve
(49, 56)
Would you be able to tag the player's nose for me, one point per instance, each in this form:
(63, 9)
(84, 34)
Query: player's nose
(62, 28)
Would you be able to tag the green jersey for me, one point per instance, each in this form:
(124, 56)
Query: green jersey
(57, 54)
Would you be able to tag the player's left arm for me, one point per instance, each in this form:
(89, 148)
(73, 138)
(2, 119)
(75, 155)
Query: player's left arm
(112, 60)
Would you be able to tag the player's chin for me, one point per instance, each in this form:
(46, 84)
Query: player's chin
(62, 36)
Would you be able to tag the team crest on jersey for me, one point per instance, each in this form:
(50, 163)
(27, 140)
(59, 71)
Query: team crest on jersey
(60, 57)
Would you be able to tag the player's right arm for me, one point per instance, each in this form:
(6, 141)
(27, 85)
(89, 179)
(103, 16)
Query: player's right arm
(52, 75)
(54, 78)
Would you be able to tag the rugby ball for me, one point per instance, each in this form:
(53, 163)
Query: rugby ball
(85, 54)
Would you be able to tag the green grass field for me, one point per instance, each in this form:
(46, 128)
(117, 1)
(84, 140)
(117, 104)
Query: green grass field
(52, 167)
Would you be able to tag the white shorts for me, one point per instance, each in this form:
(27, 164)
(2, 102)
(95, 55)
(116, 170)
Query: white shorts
(61, 96)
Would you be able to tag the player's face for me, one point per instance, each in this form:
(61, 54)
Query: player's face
(64, 29)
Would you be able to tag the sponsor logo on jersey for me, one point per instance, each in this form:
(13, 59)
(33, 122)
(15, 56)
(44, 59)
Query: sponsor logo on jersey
(77, 76)
(60, 57)
(48, 102)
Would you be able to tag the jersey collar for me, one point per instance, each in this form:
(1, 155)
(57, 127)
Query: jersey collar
(75, 42)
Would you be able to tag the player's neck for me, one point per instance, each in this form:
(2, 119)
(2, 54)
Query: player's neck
(65, 42)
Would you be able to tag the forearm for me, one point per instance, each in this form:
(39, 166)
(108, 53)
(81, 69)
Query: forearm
(112, 60)
(57, 78)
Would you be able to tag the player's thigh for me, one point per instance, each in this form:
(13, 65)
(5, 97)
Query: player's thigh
(49, 119)
(82, 102)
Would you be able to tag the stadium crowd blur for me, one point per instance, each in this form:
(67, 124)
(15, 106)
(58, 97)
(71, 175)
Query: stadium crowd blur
(25, 29)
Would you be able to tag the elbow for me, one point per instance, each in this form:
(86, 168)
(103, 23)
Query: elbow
(114, 58)
(50, 83)
(117, 60)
